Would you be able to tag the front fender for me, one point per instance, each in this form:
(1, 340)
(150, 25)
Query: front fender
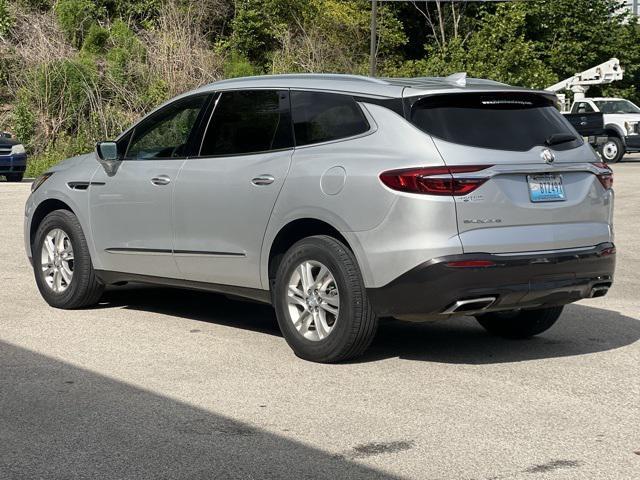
(56, 188)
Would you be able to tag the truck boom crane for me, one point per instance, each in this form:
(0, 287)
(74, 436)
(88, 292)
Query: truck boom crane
(606, 72)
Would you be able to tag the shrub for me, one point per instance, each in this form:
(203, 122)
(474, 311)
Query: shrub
(75, 17)
(237, 65)
(24, 121)
(95, 41)
(6, 19)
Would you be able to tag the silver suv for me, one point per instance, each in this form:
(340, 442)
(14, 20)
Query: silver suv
(338, 199)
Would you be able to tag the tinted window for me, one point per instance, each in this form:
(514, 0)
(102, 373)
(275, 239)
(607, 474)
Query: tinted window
(320, 117)
(249, 122)
(166, 133)
(502, 121)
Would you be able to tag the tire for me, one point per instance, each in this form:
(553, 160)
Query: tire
(352, 330)
(82, 289)
(613, 150)
(520, 323)
(14, 177)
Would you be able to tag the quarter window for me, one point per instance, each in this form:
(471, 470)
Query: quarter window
(321, 117)
(249, 121)
(166, 133)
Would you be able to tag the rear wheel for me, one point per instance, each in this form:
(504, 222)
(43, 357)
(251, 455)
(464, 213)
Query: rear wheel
(14, 177)
(321, 302)
(520, 323)
(612, 150)
(62, 264)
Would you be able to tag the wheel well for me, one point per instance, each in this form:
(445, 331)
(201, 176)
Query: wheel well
(295, 231)
(44, 209)
(612, 132)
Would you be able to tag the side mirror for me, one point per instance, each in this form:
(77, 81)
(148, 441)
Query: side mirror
(108, 157)
(107, 151)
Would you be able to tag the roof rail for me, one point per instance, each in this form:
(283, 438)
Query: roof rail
(314, 76)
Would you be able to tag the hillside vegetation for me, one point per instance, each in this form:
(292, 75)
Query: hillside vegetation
(76, 71)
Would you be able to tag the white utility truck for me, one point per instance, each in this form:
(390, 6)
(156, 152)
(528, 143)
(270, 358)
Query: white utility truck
(620, 118)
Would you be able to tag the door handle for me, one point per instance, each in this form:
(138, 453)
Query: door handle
(263, 180)
(161, 180)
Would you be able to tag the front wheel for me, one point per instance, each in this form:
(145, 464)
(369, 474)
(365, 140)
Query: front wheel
(62, 264)
(612, 150)
(321, 302)
(520, 323)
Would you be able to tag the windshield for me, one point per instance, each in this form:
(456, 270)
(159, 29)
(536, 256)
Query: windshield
(500, 121)
(616, 106)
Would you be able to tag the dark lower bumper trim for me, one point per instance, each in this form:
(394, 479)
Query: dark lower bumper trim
(517, 281)
(109, 278)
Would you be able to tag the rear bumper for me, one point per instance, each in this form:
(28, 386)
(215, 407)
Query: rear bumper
(534, 280)
(13, 163)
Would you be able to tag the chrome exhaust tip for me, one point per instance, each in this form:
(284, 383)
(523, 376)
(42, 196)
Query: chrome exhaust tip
(470, 305)
(599, 291)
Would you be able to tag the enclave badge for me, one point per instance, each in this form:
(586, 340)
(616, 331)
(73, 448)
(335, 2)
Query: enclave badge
(548, 156)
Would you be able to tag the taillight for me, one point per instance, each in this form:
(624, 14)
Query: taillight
(471, 264)
(608, 251)
(606, 178)
(434, 180)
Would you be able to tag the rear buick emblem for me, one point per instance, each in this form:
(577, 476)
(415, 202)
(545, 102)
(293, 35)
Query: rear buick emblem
(548, 156)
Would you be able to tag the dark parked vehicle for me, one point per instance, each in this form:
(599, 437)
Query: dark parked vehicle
(13, 158)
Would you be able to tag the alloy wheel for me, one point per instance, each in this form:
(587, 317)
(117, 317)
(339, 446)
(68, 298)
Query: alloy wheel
(313, 300)
(57, 260)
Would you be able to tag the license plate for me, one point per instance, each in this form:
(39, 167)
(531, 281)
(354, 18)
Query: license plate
(546, 188)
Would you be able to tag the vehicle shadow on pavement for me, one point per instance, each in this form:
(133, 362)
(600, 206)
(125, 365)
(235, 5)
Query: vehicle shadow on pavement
(580, 330)
(61, 421)
(194, 305)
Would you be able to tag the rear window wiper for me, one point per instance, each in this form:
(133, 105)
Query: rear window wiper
(558, 138)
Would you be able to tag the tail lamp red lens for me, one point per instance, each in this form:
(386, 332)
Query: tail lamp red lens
(608, 251)
(435, 180)
(605, 178)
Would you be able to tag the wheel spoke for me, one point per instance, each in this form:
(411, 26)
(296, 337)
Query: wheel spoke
(50, 247)
(67, 253)
(295, 296)
(59, 240)
(320, 323)
(308, 275)
(66, 274)
(333, 300)
(47, 270)
(304, 322)
(322, 276)
(57, 280)
(328, 308)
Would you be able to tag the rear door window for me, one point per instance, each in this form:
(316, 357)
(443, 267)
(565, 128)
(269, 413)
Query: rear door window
(500, 121)
(249, 121)
(322, 117)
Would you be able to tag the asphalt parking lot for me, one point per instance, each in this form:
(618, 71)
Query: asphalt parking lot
(156, 383)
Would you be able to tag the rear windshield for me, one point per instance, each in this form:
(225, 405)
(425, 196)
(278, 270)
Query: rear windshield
(501, 121)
